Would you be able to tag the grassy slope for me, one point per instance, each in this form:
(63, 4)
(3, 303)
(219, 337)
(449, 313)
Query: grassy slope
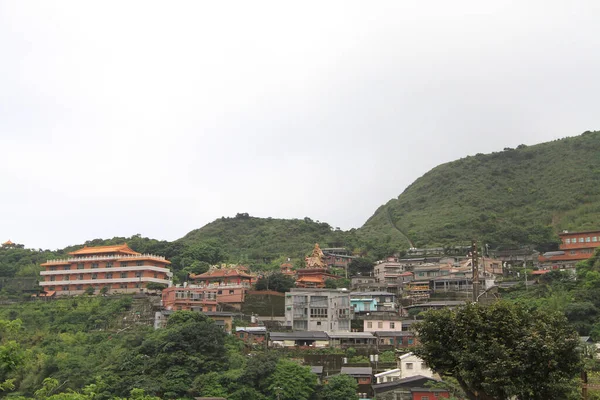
(514, 196)
(254, 238)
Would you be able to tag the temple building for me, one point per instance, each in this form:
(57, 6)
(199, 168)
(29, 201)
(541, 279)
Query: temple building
(316, 272)
(118, 268)
(8, 244)
(221, 287)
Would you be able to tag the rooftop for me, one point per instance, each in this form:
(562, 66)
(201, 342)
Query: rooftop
(299, 335)
(357, 371)
(120, 248)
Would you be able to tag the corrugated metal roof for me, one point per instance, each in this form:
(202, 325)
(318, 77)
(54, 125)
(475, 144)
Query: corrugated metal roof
(299, 335)
(357, 371)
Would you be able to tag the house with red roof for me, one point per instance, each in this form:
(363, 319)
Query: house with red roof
(221, 286)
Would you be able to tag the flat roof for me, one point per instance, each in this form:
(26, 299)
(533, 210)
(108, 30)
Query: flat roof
(395, 333)
(379, 293)
(316, 369)
(357, 371)
(355, 335)
(299, 335)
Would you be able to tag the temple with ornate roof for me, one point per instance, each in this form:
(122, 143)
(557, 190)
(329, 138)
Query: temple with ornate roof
(8, 243)
(221, 285)
(316, 272)
(117, 268)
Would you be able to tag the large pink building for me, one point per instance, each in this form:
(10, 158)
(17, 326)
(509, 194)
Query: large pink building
(116, 268)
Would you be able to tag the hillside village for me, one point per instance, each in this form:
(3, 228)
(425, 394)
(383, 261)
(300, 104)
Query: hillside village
(325, 306)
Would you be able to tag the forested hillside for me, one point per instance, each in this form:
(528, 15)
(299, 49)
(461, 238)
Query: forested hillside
(517, 196)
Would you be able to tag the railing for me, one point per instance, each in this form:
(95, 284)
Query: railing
(102, 258)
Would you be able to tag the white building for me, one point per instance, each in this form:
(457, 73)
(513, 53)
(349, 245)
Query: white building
(408, 365)
(318, 310)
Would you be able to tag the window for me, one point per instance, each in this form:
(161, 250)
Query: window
(66, 278)
(123, 274)
(94, 276)
(588, 239)
(594, 238)
(109, 265)
(65, 288)
(109, 275)
(318, 323)
(301, 325)
(567, 241)
(79, 287)
(410, 341)
(80, 277)
(369, 324)
(581, 240)
(52, 268)
(123, 286)
(94, 265)
(138, 274)
(392, 325)
(67, 267)
(409, 365)
(380, 325)
(156, 274)
(424, 397)
(138, 285)
(80, 266)
(51, 288)
(52, 278)
(573, 252)
(231, 291)
(139, 263)
(318, 313)
(423, 365)
(219, 292)
(123, 264)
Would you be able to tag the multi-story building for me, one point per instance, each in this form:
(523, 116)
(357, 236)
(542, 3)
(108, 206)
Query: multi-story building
(373, 301)
(224, 285)
(318, 309)
(574, 247)
(117, 268)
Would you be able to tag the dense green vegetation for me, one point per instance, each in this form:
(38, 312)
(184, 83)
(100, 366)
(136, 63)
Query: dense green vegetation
(503, 351)
(513, 197)
(78, 348)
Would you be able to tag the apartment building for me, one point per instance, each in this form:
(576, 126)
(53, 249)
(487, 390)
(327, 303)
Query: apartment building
(118, 268)
(574, 247)
(318, 309)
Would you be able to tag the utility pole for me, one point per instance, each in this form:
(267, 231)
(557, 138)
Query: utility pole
(475, 264)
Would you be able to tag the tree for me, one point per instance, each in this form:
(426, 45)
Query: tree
(277, 281)
(360, 266)
(502, 351)
(156, 286)
(90, 290)
(291, 381)
(340, 387)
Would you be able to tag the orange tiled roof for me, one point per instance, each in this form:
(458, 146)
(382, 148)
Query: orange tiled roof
(310, 279)
(221, 273)
(7, 243)
(121, 248)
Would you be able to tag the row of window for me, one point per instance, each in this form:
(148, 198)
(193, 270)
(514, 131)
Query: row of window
(108, 275)
(380, 324)
(80, 287)
(581, 240)
(97, 265)
(582, 251)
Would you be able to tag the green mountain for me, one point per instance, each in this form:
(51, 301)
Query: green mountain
(517, 196)
(261, 240)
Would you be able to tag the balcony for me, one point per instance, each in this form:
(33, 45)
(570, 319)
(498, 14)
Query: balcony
(106, 258)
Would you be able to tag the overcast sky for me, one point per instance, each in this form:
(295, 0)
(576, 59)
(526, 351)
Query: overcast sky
(124, 117)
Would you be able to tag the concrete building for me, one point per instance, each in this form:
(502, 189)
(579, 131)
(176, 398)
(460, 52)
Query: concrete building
(116, 268)
(318, 309)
